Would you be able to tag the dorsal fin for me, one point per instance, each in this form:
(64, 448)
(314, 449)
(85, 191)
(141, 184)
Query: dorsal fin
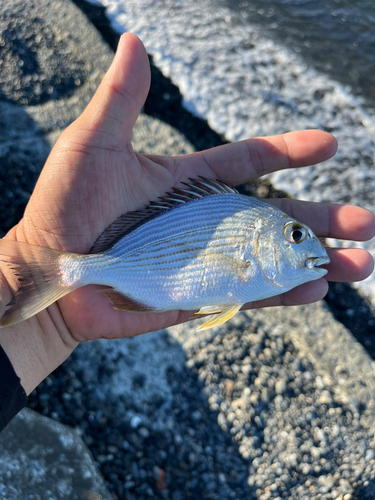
(125, 224)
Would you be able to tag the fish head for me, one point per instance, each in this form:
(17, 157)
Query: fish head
(290, 254)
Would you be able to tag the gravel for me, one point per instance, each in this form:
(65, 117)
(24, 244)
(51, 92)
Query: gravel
(243, 414)
(164, 445)
(290, 429)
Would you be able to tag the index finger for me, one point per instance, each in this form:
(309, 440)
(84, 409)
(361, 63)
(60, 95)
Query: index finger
(246, 160)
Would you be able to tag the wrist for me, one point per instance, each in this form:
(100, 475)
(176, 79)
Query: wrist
(36, 347)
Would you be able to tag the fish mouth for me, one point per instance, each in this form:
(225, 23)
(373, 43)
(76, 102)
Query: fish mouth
(313, 264)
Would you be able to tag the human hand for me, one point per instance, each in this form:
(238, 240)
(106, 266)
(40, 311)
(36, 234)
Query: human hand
(93, 176)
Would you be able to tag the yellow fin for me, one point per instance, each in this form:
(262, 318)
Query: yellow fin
(227, 312)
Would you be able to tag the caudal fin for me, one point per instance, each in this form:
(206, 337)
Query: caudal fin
(37, 276)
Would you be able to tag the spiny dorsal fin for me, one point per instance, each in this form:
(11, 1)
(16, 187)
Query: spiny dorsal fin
(125, 224)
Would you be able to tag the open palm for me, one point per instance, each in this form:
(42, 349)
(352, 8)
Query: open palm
(93, 176)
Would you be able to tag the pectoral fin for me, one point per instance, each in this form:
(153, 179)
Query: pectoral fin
(234, 266)
(225, 314)
(208, 310)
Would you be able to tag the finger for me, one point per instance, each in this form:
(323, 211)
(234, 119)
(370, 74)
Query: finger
(117, 103)
(303, 294)
(349, 264)
(329, 220)
(246, 160)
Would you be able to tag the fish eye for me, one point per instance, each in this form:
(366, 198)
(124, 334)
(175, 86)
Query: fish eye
(294, 232)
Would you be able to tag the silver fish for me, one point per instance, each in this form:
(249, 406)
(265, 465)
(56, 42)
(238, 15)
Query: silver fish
(204, 248)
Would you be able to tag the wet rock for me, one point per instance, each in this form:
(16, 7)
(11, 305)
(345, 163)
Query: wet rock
(38, 454)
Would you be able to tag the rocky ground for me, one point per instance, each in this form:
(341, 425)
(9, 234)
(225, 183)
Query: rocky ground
(240, 412)
(275, 404)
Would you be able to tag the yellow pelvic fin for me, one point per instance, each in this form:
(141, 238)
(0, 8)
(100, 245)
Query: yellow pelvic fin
(227, 312)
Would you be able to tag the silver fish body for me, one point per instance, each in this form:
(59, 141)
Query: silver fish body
(207, 248)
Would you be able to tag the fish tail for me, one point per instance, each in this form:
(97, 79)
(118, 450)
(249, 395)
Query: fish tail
(36, 275)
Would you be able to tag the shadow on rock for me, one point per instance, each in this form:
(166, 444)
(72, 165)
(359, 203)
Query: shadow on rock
(23, 152)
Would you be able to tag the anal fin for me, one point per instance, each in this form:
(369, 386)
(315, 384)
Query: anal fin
(226, 313)
(126, 303)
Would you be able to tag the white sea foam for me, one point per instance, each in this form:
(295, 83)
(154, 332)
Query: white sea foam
(244, 85)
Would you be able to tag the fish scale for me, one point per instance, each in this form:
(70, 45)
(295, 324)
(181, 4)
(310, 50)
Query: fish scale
(196, 215)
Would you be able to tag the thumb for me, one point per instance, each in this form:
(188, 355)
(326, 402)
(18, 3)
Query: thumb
(118, 101)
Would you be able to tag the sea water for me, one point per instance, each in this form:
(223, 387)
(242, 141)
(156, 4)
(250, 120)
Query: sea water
(253, 68)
